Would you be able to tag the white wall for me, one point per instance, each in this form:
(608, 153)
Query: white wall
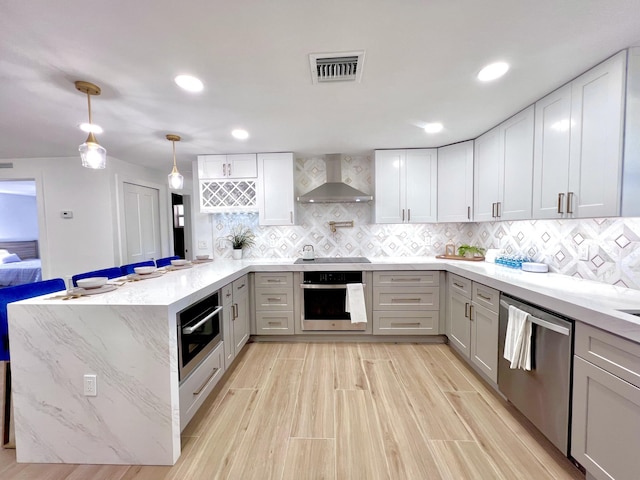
(92, 238)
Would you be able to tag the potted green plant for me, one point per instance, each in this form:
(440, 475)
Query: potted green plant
(470, 251)
(240, 238)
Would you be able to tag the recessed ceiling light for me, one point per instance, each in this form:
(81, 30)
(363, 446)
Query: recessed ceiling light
(189, 83)
(493, 71)
(90, 128)
(433, 127)
(240, 134)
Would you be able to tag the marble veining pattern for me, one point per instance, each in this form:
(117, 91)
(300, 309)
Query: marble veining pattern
(132, 352)
(613, 257)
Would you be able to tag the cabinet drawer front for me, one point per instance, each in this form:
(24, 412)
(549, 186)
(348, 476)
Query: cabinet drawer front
(408, 279)
(406, 298)
(241, 286)
(274, 323)
(616, 355)
(226, 294)
(606, 423)
(459, 284)
(485, 296)
(406, 323)
(274, 299)
(195, 388)
(274, 279)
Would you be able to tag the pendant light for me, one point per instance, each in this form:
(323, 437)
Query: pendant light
(92, 153)
(176, 181)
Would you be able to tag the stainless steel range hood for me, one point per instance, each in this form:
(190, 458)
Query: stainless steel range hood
(334, 190)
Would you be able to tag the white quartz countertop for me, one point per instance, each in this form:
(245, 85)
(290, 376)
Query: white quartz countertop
(594, 303)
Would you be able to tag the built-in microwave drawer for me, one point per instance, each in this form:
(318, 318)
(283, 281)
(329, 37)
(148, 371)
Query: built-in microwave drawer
(274, 279)
(406, 298)
(274, 299)
(406, 278)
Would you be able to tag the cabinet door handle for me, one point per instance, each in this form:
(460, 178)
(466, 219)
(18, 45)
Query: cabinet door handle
(560, 201)
(234, 311)
(470, 312)
(408, 215)
(498, 209)
(570, 202)
(291, 217)
(224, 169)
(466, 310)
(229, 168)
(469, 213)
(403, 214)
(488, 299)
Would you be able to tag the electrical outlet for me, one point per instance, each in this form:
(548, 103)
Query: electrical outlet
(202, 244)
(90, 386)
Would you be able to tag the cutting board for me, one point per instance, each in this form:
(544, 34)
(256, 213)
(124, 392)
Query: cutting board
(456, 257)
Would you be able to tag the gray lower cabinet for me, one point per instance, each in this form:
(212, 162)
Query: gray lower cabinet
(605, 430)
(472, 323)
(235, 317)
(406, 303)
(273, 301)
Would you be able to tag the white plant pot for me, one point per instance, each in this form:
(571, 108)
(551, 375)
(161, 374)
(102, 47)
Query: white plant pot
(236, 253)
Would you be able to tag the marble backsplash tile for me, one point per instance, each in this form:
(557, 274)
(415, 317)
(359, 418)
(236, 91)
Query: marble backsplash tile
(611, 245)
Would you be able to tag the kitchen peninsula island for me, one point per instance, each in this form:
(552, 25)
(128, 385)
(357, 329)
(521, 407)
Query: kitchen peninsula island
(127, 338)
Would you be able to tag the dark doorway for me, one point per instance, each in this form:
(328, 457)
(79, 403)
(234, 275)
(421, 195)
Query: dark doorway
(178, 225)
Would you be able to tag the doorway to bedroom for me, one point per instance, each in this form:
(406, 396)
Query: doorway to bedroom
(19, 252)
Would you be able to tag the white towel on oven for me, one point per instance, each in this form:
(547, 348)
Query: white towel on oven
(354, 303)
(517, 342)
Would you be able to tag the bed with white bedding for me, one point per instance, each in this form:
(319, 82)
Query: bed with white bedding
(19, 263)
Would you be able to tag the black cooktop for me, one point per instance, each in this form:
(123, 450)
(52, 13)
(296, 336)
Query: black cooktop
(333, 260)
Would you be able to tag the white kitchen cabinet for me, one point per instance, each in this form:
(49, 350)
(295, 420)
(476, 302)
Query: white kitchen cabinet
(224, 167)
(579, 144)
(276, 205)
(455, 182)
(503, 170)
(472, 323)
(606, 404)
(406, 186)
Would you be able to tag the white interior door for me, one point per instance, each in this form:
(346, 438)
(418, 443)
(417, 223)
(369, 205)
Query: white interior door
(142, 222)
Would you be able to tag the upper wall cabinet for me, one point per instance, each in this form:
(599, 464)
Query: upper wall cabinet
(455, 182)
(406, 186)
(225, 167)
(579, 144)
(503, 170)
(227, 183)
(276, 204)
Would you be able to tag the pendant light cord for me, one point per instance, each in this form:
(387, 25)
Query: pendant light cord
(89, 102)
(174, 153)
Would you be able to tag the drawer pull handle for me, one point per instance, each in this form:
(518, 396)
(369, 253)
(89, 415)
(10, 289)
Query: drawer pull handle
(273, 299)
(458, 285)
(404, 300)
(273, 280)
(407, 324)
(399, 279)
(204, 384)
(488, 299)
(241, 286)
(274, 323)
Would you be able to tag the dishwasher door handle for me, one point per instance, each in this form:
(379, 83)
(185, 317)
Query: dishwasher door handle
(543, 323)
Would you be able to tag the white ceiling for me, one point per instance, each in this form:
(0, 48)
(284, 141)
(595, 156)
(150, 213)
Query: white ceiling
(421, 60)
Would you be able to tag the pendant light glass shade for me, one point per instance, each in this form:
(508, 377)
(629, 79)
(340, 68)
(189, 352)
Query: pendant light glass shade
(176, 180)
(92, 153)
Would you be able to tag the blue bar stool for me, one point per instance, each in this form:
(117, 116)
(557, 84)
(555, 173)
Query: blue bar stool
(128, 269)
(163, 262)
(112, 272)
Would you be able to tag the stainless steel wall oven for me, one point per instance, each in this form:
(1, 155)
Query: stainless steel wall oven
(198, 333)
(323, 301)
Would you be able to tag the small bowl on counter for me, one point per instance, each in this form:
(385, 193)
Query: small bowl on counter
(91, 282)
(144, 270)
(179, 262)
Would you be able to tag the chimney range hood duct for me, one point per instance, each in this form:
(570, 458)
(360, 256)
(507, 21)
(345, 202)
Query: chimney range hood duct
(334, 190)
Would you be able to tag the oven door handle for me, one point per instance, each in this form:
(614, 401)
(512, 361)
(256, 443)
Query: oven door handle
(316, 286)
(192, 328)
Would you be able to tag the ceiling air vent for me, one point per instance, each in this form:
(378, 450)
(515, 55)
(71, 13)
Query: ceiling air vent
(6, 165)
(336, 67)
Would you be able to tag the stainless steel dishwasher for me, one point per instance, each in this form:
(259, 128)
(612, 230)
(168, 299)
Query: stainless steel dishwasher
(542, 394)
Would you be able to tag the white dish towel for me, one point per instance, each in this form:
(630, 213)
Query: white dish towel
(517, 342)
(354, 303)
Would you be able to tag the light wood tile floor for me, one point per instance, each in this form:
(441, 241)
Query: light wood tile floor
(344, 412)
